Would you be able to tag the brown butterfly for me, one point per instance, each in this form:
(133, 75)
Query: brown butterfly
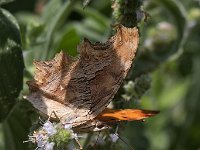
(79, 89)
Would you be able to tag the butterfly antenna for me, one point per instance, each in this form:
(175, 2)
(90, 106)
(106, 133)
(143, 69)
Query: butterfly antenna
(53, 112)
(37, 148)
(79, 144)
(130, 146)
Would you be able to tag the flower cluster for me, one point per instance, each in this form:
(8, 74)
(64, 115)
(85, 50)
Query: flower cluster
(56, 135)
(51, 134)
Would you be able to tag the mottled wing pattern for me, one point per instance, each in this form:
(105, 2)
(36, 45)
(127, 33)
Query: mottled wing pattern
(87, 84)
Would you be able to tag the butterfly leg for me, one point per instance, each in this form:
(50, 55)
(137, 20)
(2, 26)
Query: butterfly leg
(77, 141)
(53, 113)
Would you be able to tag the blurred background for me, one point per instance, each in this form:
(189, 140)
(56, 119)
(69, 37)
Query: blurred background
(165, 75)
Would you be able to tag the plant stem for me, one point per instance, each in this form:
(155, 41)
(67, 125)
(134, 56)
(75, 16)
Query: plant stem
(126, 12)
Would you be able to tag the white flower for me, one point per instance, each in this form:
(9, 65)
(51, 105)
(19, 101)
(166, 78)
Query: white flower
(43, 135)
(49, 128)
(41, 140)
(48, 124)
(49, 146)
(68, 126)
(114, 137)
(74, 135)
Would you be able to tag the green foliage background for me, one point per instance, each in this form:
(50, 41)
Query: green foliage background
(165, 75)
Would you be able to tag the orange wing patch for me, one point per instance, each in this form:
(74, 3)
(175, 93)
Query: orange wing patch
(111, 115)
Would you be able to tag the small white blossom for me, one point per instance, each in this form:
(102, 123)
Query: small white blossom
(49, 128)
(47, 124)
(41, 140)
(114, 137)
(49, 146)
(74, 135)
(42, 136)
(68, 126)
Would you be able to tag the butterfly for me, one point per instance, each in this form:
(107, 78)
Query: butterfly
(79, 89)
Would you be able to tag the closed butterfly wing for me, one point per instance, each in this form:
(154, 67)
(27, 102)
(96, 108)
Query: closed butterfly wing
(87, 84)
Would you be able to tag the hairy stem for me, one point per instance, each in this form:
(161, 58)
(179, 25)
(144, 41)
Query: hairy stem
(126, 12)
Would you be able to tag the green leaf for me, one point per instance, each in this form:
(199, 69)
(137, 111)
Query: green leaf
(11, 63)
(86, 2)
(17, 126)
(178, 13)
(5, 1)
(31, 27)
(54, 23)
(68, 39)
(103, 21)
